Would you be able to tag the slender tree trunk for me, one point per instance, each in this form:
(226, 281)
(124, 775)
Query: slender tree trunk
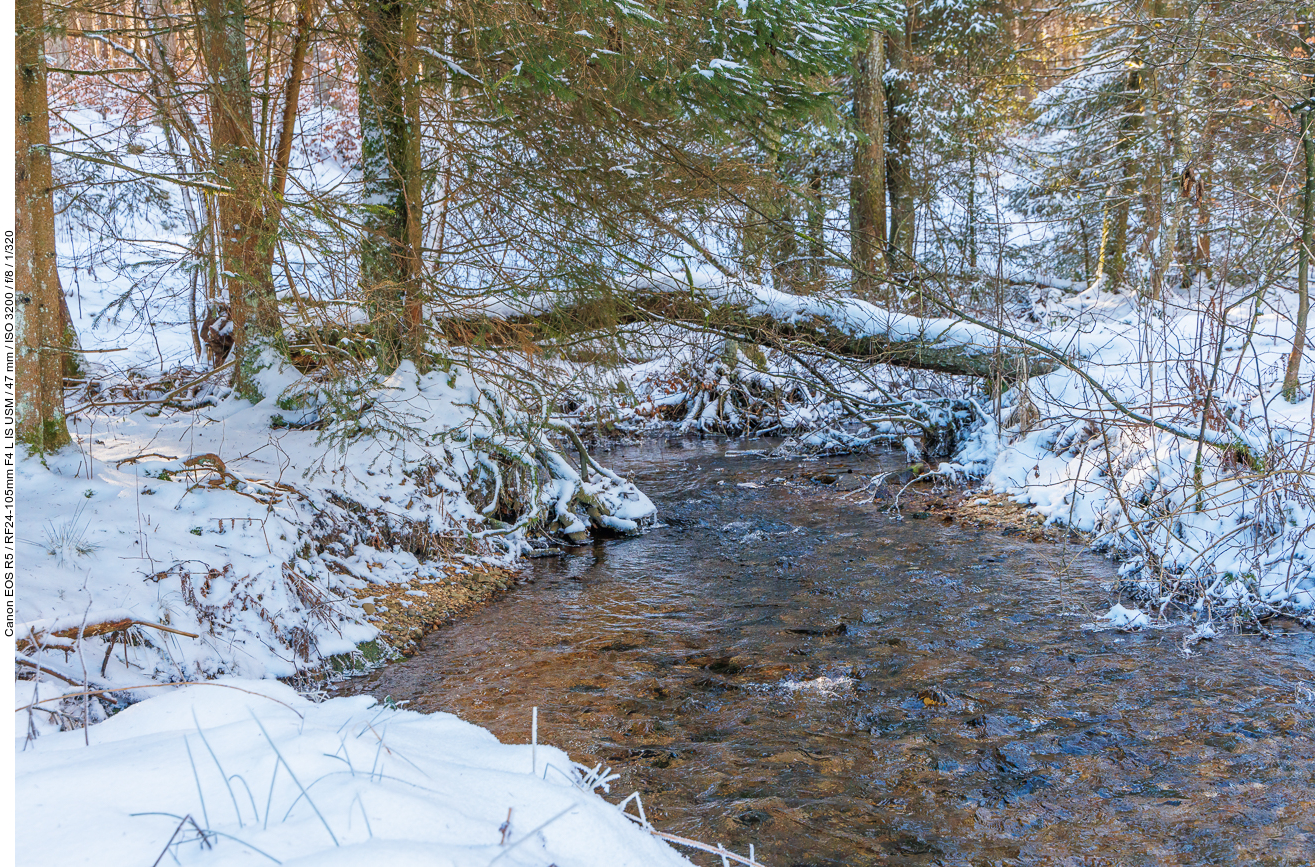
(391, 179)
(786, 272)
(899, 151)
(970, 230)
(1291, 378)
(1178, 183)
(1114, 255)
(1086, 249)
(161, 49)
(816, 230)
(39, 321)
(867, 183)
(291, 99)
(246, 237)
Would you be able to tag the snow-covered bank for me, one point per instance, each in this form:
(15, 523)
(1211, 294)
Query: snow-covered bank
(1213, 507)
(248, 772)
(187, 545)
(1167, 438)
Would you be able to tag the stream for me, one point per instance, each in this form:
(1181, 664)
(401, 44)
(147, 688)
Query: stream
(782, 666)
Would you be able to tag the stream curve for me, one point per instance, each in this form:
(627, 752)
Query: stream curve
(784, 666)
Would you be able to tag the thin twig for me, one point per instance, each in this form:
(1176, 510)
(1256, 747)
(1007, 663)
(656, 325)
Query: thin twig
(95, 405)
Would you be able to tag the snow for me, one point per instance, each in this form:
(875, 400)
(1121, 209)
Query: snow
(251, 538)
(240, 539)
(1239, 536)
(1119, 617)
(272, 777)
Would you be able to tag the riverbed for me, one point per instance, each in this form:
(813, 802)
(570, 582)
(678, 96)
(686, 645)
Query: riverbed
(782, 664)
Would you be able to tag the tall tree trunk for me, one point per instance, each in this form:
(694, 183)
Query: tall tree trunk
(1291, 378)
(867, 183)
(1114, 255)
(899, 150)
(306, 11)
(970, 226)
(786, 271)
(391, 179)
(160, 51)
(246, 237)
(39, 322)
(816, 231)
(1179, 182)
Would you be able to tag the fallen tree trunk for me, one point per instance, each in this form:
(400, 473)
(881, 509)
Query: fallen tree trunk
(842, 326)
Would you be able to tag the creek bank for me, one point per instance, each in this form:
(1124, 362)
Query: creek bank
(238, 772)
(405, 611)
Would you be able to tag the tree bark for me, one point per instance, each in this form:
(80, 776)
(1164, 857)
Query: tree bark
(816, 230)
(246, 237)
(850, 328)
(786, 271)
(392, 180)
(291, 99)
(867, 183)
(899, 150)
(39, 322)
(1291, 378)
(1114, 255)
(970, 218)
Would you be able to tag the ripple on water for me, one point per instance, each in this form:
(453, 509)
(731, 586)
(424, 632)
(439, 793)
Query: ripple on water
(780, 667)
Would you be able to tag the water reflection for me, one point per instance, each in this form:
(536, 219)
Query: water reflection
(782, 667)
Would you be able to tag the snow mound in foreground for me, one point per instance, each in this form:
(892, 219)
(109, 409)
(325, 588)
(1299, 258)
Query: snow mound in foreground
(273, 778)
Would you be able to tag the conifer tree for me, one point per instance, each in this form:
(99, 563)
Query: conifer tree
(392, 179)
(868, 177)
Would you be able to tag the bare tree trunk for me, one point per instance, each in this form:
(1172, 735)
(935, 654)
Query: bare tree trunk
(291, 98)
(867, 183)
(246, 237)
(786, 272)
(1181, 183)
(816, 230)
(899, 151)
(1114, 254)
(39, 321)
(391, 179)
(970, 228)
(1291, 378)
(160, 51)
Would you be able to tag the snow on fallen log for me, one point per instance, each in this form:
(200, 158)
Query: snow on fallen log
(831, 323)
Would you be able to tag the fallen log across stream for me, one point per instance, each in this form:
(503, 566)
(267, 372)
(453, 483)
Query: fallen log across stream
(839, 325)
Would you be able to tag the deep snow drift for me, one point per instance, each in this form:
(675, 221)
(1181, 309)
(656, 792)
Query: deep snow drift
(273, 778)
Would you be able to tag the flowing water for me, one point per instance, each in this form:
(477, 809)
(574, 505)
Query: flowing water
(781, 667)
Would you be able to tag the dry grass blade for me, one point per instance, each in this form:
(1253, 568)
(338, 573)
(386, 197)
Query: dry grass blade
(719, 851)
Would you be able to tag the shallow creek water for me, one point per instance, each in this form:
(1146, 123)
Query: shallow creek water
(779, 666)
